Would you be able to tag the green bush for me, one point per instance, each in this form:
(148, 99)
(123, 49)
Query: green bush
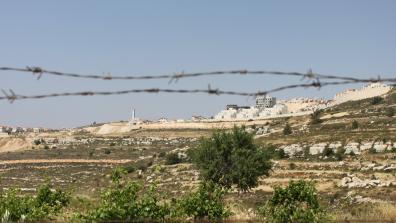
(298, 202)
(390, 112)
(287, 130)
(130, 168)
(162, 154)
(229, 158)
(292, 166)
(275, 153)
(206, 203)
(376, 100)
(372, 150)
(124, 202)
(340, 154)
(37, 142)
(17, 207)
(327, 152)
(355, 124)
(172, 158)
(315, 117)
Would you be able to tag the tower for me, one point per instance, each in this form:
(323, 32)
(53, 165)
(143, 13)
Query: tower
(133, 114)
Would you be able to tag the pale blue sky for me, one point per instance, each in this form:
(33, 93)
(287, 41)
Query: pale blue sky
(354, 37)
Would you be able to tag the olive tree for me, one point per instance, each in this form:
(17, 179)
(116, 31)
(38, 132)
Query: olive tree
(229, 158)
(298, 202)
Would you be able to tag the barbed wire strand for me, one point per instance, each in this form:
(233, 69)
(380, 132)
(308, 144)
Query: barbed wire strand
(11, 96)
(38, 71)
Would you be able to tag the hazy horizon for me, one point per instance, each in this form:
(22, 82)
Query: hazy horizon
(354, 38)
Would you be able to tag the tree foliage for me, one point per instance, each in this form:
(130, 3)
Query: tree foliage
(206, 203)
(47, 203)
(229, 158)
(376, 100)
(298, 202)
(172, 158)
(390, 112)
(287, 130)
(275, 153)
(315, 117)
(122, 202)
(355, 124)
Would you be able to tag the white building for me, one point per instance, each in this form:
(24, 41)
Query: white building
(227, 114)
(265, 101)
(163, 120)
(247, 113)
(265, 107)
(277, 109)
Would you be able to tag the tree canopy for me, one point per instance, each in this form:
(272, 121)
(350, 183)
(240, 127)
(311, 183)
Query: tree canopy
(229, 158)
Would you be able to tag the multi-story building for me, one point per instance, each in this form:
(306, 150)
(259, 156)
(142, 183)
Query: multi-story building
(264, 101)
(265, 106)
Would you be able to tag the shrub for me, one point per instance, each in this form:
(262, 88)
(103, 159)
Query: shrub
(37, 142)
(47, 203)
(107, 151)
(130, 168)
(390, 112)
(231, 158)
(298, 202)
(355, 124)
(207, 202)
(287, 130)
(275, 153)
(292, 166)
(340, 154)
(376, 100)
(372, 150)
(121, 202)
(172, 158)
(315, 117)
(162, 154)
(327, 152)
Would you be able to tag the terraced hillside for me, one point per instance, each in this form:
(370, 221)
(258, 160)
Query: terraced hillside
(349, 151)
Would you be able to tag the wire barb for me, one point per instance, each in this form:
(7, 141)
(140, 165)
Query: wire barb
(314, 80)
(11, 96)
(175, 77)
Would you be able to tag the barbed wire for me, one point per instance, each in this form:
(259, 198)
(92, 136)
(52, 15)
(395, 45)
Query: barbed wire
(38, 71)
(313, 79)
(11, 96)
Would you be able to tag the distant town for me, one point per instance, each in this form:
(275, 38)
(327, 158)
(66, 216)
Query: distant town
(265, 107)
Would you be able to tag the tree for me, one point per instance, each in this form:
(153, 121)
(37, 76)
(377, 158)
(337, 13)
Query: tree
(287, 130)
(229, 158)
(298, 202)
(355, 124)
(315, 117)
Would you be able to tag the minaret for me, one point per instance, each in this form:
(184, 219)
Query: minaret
(133, 114)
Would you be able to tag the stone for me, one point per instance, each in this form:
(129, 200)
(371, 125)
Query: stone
(379, 147)
(317, 148)
(352, 147)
